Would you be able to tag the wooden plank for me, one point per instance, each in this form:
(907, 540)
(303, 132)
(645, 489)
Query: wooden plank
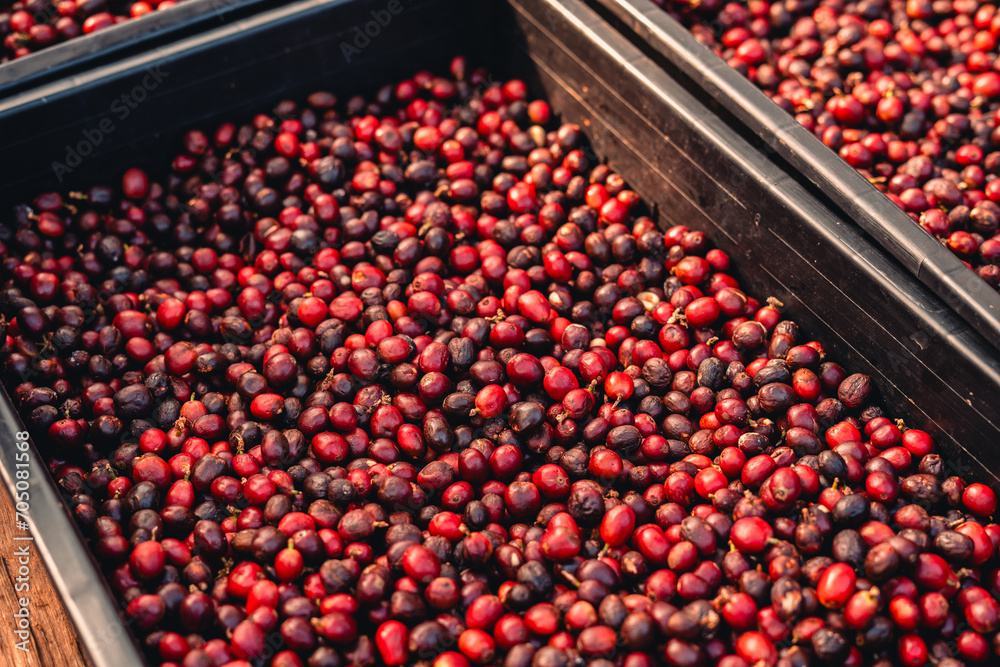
(53, 641)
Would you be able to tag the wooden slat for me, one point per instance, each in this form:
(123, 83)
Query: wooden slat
(53, 641)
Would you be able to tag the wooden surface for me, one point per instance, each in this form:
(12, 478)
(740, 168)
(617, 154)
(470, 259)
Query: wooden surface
(53, 640)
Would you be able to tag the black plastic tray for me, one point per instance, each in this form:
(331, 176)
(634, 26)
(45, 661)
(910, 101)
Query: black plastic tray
(736, 99)
(105, 45)
(928, 364)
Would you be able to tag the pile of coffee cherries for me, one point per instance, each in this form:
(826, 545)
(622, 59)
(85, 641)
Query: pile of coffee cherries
(907, 91)
(27, 26)
(412, 381)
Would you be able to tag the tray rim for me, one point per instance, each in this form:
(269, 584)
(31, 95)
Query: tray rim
(654, 30)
